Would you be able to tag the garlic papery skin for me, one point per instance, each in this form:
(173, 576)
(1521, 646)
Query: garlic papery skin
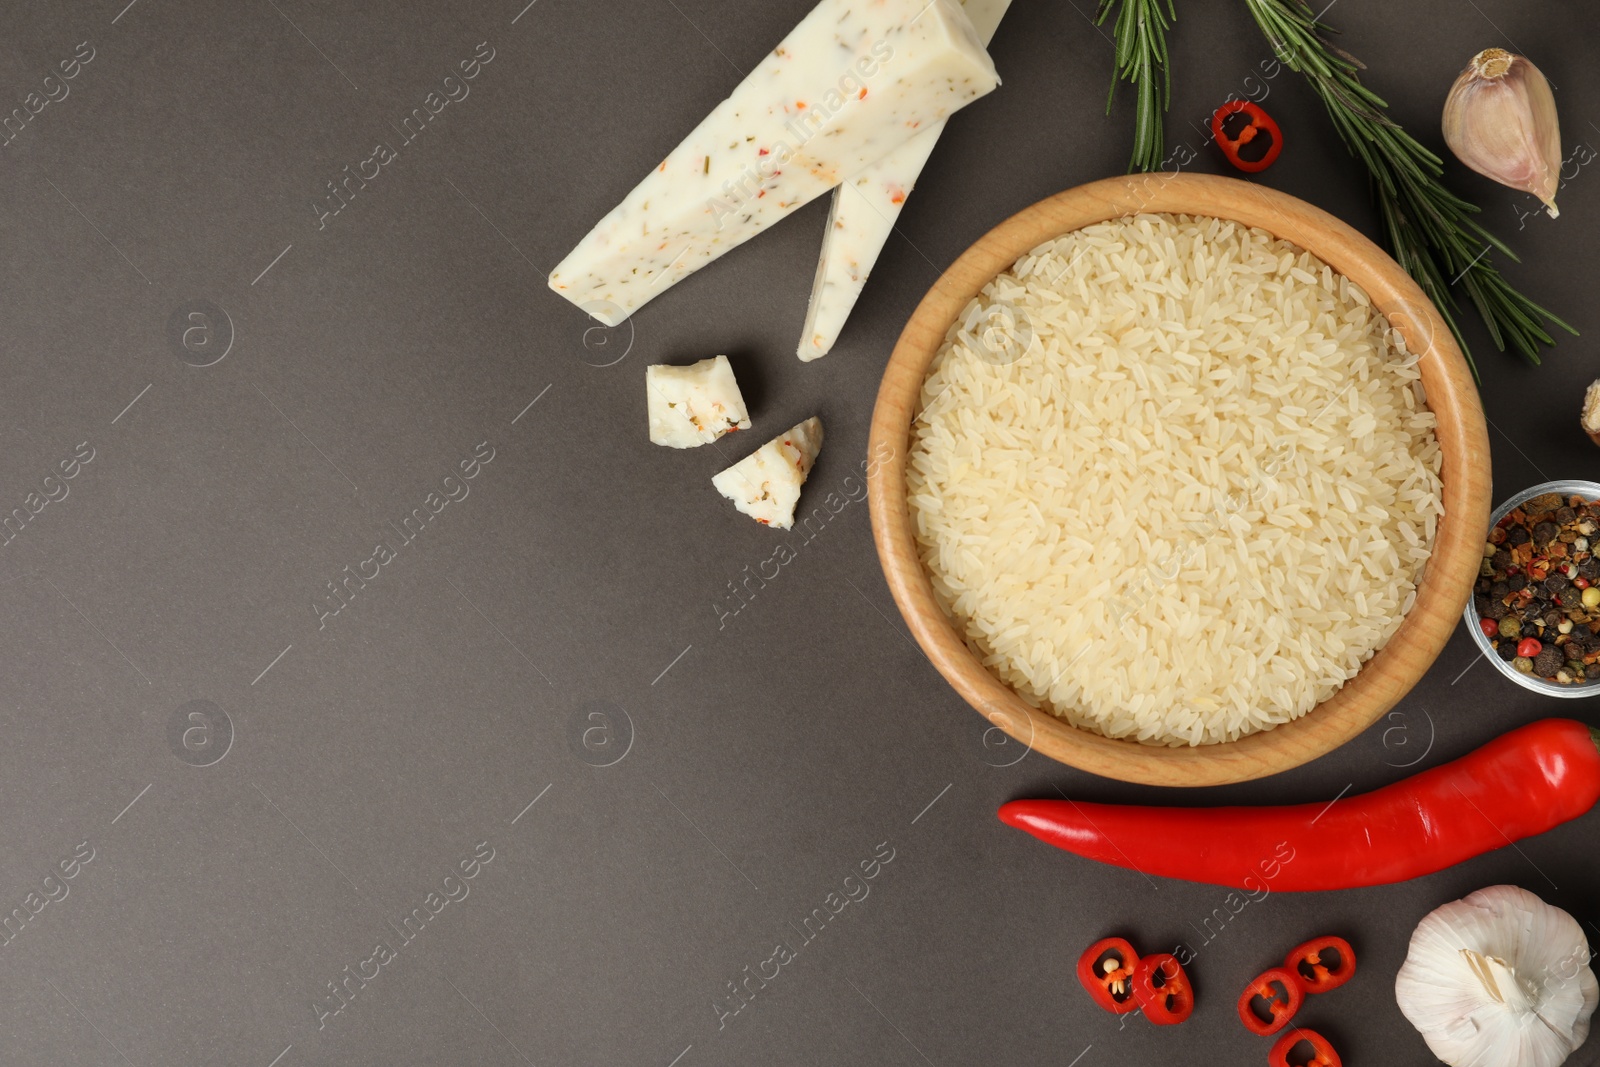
(1499, 979)
(1500, 120)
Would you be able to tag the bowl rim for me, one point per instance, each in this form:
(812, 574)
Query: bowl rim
(1469, 614)
(1443, 590)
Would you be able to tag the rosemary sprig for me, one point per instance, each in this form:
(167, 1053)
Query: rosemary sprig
(1431, 230)
(1141, 38)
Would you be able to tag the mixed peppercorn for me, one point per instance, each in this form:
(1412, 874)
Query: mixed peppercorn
(1538, 592)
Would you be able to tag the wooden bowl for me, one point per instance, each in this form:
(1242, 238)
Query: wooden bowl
(1447, 580)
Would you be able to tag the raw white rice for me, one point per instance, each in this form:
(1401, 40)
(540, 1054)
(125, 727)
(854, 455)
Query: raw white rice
(1173, 480)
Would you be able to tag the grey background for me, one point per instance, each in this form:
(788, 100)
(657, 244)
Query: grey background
(765, 758)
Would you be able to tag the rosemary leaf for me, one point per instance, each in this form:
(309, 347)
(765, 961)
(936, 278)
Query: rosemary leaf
(1141, 55)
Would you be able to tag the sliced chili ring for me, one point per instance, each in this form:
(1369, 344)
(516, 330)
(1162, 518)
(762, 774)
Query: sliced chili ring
(1247, 135)
(1321, 964)
(1106, 971)
(1270, 1001)
(1286, 1052)
(1162, 989)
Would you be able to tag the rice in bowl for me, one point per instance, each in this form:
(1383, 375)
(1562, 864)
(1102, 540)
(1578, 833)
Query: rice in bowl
(1173, 479)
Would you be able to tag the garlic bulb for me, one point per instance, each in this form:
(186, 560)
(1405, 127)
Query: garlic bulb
(1500, 120)
(1499, 979)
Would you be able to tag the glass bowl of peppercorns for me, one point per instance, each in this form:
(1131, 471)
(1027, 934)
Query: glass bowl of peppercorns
(1535, 609)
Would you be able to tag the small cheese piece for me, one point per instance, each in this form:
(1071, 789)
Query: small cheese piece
(765, 485)
(694, 405)
(853, 81)
(864, 212)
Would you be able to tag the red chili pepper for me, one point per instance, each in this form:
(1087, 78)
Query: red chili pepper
(1281, 995)
(1581, 583)
(1106, 971)
(1251, 143)
(1163, 990)
(1489, 627)
(1530, 647)
(1322, 1053)
(1523, 783)
(1321, 964)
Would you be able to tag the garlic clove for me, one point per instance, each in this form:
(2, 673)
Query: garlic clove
(1500, 120)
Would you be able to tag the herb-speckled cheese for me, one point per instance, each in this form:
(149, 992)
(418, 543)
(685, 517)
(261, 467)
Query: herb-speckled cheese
(864, 212)
(852, 82)
(765, 485)
(693, 405)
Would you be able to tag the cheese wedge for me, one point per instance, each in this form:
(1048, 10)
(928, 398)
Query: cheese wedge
(765, 485)
(853, 81)
(693, 405)
(864, 212)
